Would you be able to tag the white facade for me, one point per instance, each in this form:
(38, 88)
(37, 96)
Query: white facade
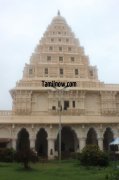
(90, 110)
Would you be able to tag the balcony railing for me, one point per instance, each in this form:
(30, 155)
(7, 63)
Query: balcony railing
(6, 113)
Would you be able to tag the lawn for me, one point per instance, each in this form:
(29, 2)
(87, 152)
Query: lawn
(66, 170)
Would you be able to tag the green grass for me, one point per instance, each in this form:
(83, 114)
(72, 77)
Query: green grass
(67, 170)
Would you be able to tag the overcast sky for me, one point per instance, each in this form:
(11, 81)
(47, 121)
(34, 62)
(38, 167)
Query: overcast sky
(23, 22)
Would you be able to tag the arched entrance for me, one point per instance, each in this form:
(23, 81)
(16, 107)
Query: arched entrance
(23, 140)
(91, 137)
(108, 137)
(69, 142)
(5, 140)
(41, 144)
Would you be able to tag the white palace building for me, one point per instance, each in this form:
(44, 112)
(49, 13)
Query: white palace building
(87, 108)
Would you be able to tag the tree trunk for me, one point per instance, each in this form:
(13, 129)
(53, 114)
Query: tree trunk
(26, 165)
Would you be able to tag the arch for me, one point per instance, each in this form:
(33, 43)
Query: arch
(108, 137)
(91, 137)
(5, 137)
(5, 132)
(22, 140)
(17, 129)
(69, 141)
(41, 144)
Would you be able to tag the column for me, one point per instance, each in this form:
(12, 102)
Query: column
(82, 143)
(100, 143)
(51, 146)
(32, 143)
(14, 142)
(9, 145)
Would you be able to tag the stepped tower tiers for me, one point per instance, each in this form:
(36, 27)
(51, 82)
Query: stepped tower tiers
(88, 109)
(58, 57)
(58, 49)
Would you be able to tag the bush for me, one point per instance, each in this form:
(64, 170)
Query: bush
(93, 156)
(103, 159)
(25, 156)
(6, 155)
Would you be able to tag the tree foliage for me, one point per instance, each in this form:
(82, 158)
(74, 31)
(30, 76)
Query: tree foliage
(6, 155)
(92, 156)
(26, 156)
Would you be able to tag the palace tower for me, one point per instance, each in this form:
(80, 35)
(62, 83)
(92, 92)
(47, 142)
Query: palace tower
(86, 109)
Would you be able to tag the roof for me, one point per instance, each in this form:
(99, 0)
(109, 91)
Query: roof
(115, 142)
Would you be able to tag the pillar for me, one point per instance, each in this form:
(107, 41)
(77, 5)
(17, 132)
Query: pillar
(14, 143)
(82, 143)
(51, 150)
(100, 143)
(32, 143)
(9, 145)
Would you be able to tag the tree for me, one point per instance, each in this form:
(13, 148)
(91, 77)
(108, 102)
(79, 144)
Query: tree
(25, 156)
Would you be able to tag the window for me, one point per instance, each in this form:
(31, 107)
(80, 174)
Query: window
(61, 71)
(72, 59)
(73, 104)
(66, 105)
(52, 39)
(60, 48)
(59, 39)
(50, 48)
(69, 48)
(30, 71)
(91, 73)
(60, 59)
(76, 72)
(59, 32)
(53, 107)
(46, 70)
(48, 58)
(67, 40)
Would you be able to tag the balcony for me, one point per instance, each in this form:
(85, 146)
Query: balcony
(6, 113)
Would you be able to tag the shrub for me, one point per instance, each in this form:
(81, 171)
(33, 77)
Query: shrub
(103, 159)
(6, 155)
(25, 156)
(93, 156)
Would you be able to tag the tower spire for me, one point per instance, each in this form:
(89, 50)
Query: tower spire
(58, 13)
